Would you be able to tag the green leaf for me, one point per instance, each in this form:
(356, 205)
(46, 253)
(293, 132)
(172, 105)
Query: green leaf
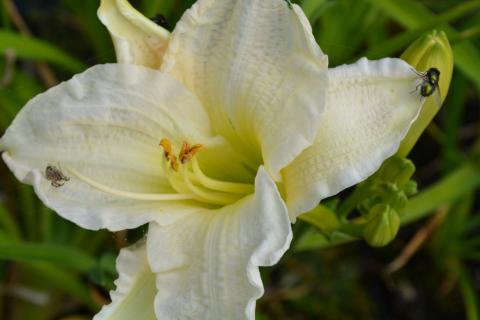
(398, 43)
(85, 18)
(468, 290)
(47, 228)
(413, 14)
(312, 7)
(8, 224)
(150, 8)
(35, 49)
(450, 188)
(63, 280)
(314, 240)
(6, 237)
(27, 207)
(41, 252)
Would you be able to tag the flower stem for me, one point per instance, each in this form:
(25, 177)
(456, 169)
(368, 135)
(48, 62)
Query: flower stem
(458, 183)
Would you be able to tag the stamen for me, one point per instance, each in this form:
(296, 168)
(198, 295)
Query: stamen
(176, 183)
(209, 196)
(183, 152)
(192, 181)
(187, 153)
(130, 195)
(167, 147)
(167, 152)
(240, 188)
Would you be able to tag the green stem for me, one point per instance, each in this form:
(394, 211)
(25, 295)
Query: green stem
(449, 189)
(322, 218)
(352, 201)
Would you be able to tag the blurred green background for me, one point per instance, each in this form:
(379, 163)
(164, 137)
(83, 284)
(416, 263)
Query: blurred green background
(52, 269)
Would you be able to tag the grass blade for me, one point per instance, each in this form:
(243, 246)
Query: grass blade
(35, 49)
(413, 14)
(57, 254)
(8, 224)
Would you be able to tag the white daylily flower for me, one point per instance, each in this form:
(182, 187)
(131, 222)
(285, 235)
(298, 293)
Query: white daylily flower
(237, 111)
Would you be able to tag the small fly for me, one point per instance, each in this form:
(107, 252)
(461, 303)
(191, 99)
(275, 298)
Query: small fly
(55, 176)
(429, 82)
(160, 20)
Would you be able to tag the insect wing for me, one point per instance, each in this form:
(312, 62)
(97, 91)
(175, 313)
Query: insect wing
(437, 97)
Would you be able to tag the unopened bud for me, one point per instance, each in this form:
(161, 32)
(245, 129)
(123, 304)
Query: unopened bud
(382, 225)
(397, 170)
(429, 51)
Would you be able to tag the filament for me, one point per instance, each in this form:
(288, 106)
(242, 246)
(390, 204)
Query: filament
(208, 195)
(130, 195)
(233, 187)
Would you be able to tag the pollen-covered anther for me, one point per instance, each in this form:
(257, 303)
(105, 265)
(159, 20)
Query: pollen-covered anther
(168, 153)
(167, 147)
(187, 153)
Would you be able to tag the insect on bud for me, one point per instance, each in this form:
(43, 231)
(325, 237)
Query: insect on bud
(431, 51)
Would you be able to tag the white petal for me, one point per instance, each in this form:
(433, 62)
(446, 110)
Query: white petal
(137, 39)
(106, 123)
(370, 107)
(135, 290)
(257, 68)
(207, 264)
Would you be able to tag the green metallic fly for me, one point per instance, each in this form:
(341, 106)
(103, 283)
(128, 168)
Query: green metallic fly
(429, 82)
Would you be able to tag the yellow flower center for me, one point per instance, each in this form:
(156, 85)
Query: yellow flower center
(186, 177)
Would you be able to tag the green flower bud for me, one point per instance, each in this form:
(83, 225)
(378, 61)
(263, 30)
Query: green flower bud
(390, 194)
(399, 201)
(382, 225)
(430, 50)
(397, 170)
(410, 188)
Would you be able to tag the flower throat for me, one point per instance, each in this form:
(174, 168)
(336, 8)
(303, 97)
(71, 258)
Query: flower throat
(185, 176)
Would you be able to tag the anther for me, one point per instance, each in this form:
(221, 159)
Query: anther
(167, 152)
(183, 152)
(167, 147)
(193, 150)
(187, 152)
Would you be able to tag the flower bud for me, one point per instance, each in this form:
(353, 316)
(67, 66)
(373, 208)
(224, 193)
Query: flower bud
(382, 225)
(410, 188)
(430, 50)
(397, 170)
